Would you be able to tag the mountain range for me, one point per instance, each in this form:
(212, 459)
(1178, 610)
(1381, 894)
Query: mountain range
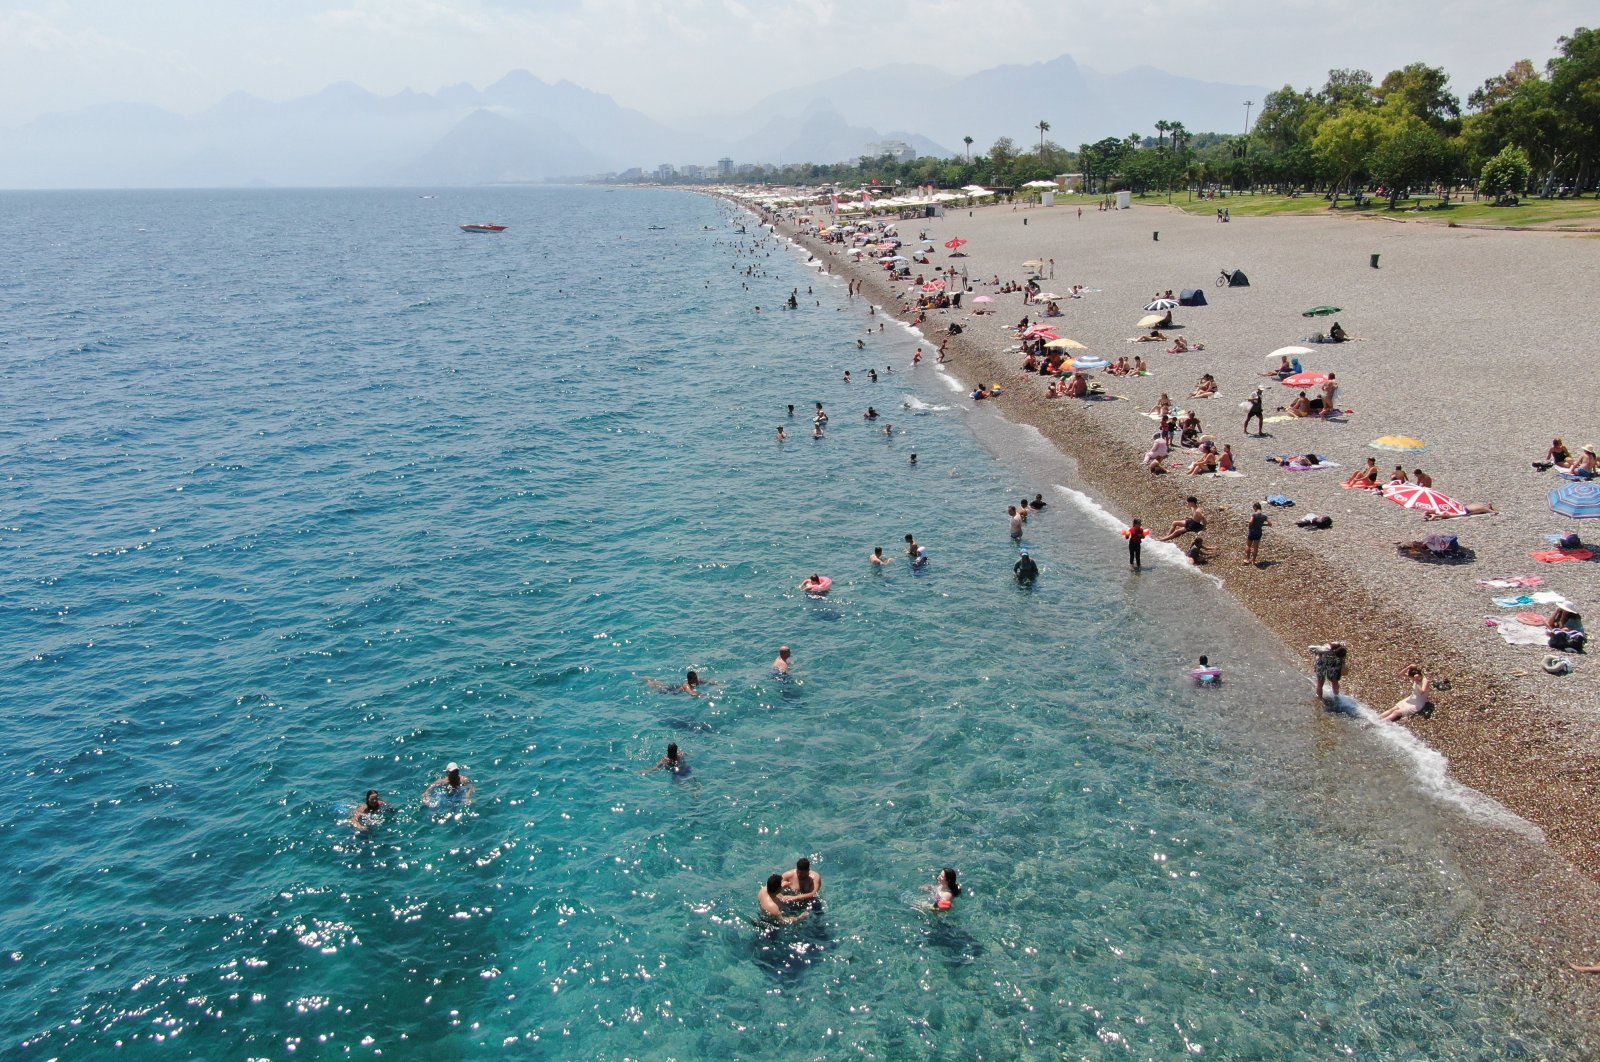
(521, 128)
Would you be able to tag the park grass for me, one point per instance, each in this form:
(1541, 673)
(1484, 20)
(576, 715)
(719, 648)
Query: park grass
(1541, 213)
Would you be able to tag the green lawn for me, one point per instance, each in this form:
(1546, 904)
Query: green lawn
(1548, 213)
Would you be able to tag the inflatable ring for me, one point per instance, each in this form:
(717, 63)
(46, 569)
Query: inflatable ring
(1557, 665)
(1206, 675)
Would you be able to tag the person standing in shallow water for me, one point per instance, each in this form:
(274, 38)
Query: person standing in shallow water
(1136, 536)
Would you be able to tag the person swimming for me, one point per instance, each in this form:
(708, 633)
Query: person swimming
(770, 900)
(674, 762)
(945, 890)
(371, 807)
(455, 786)
(691, 684)
(781, 664)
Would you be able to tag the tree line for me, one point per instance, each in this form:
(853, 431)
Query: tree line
(1527, 131)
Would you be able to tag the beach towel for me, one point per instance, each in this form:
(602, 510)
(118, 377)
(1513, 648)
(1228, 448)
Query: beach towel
(1361, 486)
(1543, 597)
(1510, 582)
(1280, 500)
(1518, 633)
(1309, 468)
(1556, 556)
(1232, 473)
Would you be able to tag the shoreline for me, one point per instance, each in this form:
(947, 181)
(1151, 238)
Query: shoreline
(1540, 765)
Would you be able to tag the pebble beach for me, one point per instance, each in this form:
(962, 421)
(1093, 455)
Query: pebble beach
(1473, 341)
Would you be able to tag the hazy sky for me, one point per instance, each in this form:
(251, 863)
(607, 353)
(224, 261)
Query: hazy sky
(674, 57)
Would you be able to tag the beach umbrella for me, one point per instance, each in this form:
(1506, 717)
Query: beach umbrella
(956, 243)
(1034, 263)
(1065, 344)
(1305, 379)
(1091, 362)
(1423, 499)
(1040, 332)
(1048, 296)
(1150, 320)
(933, 285)
(1320, 311)
(1163, 304)
(983, 298)
(1580, 501)
(1291, 352)
(1402, 443)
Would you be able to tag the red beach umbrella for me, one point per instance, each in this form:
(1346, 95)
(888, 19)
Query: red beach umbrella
(1305, 379)
(956, 243)
(1425, 499)
(933, 285)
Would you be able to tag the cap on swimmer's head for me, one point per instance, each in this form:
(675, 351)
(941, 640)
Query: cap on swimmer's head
(451, 768)
(1023, 551)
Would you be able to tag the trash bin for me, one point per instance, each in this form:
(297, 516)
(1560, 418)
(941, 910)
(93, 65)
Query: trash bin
(1374, 261)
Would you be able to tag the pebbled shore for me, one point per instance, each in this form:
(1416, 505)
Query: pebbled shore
(1479, 343)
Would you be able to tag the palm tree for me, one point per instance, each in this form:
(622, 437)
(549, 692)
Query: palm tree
(967, 140)
(1044, 127)
(1161, 133)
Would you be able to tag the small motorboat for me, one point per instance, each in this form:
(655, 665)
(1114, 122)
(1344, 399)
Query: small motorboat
(482, 226)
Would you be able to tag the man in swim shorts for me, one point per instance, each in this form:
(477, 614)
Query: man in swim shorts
(455, 785)
(781, 664)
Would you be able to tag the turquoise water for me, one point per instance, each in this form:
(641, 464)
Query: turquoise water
(308, 493)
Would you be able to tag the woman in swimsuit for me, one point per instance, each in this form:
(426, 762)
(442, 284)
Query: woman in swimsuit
(1364, 477)
(1414, 703)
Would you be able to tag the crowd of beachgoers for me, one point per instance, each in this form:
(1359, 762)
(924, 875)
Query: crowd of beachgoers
(1034, 315)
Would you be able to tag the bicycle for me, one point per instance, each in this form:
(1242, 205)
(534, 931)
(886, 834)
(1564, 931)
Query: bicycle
(1224, 279)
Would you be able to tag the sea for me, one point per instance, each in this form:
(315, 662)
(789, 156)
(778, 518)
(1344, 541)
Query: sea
(308, 493)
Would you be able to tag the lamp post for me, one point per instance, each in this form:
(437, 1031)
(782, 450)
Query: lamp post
(1244, 158)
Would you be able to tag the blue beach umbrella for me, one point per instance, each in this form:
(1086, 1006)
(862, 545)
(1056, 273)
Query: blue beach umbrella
(1090, 363)
(1580, 501)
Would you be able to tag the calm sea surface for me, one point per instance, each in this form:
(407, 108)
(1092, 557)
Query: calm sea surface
(307, 493)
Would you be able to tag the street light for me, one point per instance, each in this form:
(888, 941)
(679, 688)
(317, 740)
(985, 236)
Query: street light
(1244, 155)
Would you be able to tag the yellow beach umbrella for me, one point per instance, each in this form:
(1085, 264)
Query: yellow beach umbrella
(1065, 344)
(1150, 320)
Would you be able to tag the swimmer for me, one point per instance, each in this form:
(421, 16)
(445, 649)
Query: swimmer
(861, 344)
(456, 786)
(821, 416)
(877, 556)
(872, 375)
(888, 429)
(921, 559)
(783, 436)
(916, 359)
(847, 376)
(771, 907)
(945, 890)
(871, 413)
(1205, 674)
(791, 409)
(913, 459)
(368, 808)
(674, 762)
(817, 432)
(1038, 503)
(1025, 569)
(801, 884)
(691, 684)
(781, 664)
(911, 546)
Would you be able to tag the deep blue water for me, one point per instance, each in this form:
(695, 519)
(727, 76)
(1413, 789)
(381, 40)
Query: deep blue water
(308, 492)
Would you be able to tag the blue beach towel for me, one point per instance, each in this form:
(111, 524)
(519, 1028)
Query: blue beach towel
(1282, 501)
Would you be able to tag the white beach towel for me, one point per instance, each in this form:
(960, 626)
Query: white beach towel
(1515, 632)
(1543, 597)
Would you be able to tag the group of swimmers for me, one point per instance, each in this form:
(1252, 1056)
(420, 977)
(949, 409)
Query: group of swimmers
(452, 786)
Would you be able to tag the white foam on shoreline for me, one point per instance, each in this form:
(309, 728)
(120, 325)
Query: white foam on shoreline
(1431, 770)
(1163, 552)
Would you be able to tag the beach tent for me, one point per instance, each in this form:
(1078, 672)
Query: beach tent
(1238, 280)
(1191, 297)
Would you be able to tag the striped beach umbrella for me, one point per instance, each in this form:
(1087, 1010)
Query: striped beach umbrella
(1423, 499)
(1400, 443)
(1163, 304)
(1579, 501)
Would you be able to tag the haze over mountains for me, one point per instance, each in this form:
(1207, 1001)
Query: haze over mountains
(523, 129)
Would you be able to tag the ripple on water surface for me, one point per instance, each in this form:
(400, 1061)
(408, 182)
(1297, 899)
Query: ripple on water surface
(309, 493)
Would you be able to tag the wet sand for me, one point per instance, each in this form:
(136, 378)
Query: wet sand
(1476, 342)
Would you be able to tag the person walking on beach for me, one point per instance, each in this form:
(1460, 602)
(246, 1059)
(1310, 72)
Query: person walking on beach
(1330, 666)
(1135, 535)
(1254, 413)
(1252, 538)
